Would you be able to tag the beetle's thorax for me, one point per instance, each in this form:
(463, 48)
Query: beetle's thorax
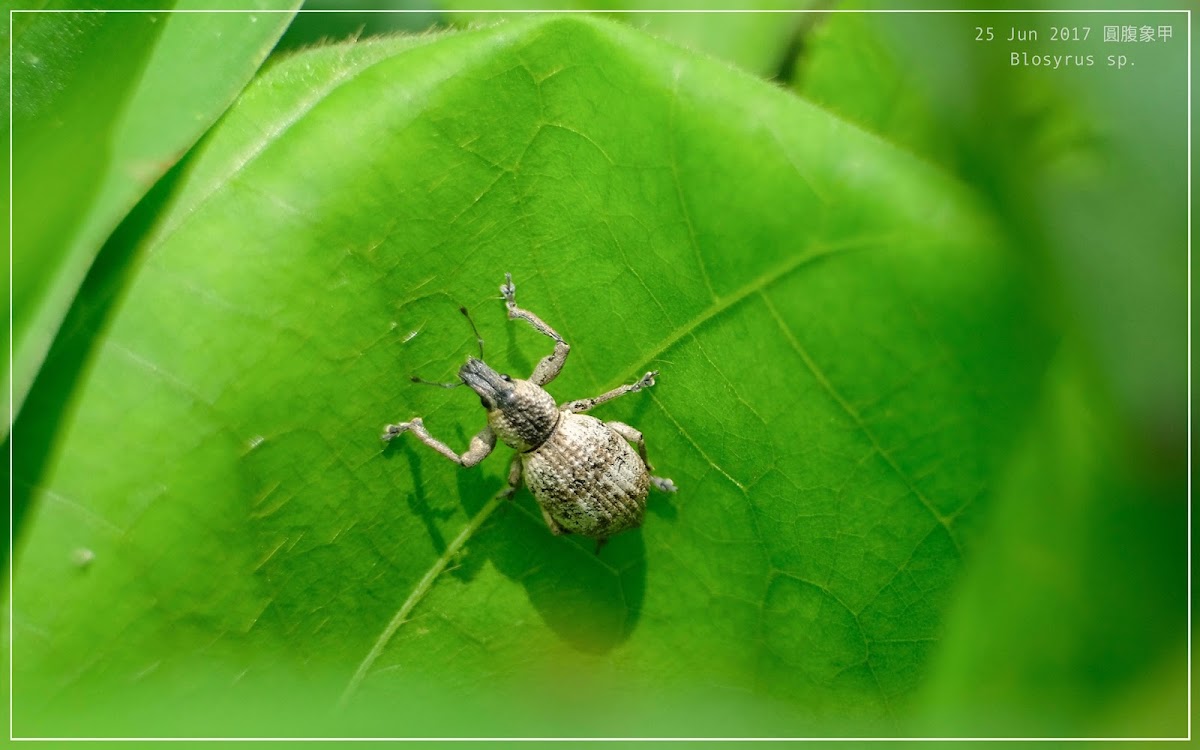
(522, 414)
(527, 420)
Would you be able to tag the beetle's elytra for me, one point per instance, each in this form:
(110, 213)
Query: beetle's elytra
(583, 472)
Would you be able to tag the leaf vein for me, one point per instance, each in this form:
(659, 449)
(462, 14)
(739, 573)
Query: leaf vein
(683, 208)
(758, 284)
(418, 593)
(697, 446)
(855, 417)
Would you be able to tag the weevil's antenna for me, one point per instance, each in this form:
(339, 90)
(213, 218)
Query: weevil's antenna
(478, 338)
(478, 342)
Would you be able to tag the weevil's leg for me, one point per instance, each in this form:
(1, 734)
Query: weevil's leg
(662, 484)
(555, 529)
(514, 478)
(551, 364)
(481, 445)
(634, 436)
(584, 404)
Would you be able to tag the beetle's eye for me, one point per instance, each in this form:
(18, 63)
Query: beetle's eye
(506, 378)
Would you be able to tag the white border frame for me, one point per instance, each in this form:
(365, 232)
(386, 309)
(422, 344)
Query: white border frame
(544, 739)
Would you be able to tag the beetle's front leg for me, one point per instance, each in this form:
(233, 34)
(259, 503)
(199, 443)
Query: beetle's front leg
(550, 365)
(481, 444)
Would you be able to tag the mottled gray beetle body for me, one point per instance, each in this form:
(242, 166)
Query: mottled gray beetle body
(588, 478)
(583, 472)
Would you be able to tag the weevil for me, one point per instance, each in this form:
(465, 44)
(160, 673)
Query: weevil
(583, 472)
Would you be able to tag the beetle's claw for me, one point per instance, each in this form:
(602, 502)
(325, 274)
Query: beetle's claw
(393, 431)
(508, 289)
(647, 379)
(663, 484)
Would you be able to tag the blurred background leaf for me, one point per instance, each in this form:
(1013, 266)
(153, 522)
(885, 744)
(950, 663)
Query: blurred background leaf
(326, 21)
(927, 411)
(762, 43)
(1086, 169)
(102, 105)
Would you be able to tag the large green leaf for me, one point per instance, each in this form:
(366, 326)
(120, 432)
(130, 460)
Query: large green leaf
(217, 537)
(102, 105)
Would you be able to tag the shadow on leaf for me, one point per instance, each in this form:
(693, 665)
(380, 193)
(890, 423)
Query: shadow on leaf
(592, 601)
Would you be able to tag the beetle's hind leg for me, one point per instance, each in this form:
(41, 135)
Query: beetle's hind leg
(514, 478)
(551, 364)
(633, 435)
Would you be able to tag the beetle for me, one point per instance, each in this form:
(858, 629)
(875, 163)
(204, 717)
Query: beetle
(583, 472)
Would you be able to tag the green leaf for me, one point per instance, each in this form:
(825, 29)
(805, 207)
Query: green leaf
(759, 42)
(852, 67)
(216, 536)
(102, 105)
(337, 20)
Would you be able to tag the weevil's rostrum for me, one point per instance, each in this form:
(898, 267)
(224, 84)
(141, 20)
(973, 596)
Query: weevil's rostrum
(584, 473)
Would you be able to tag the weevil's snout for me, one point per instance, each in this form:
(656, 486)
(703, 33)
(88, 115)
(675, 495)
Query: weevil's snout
(491, 386)
(521, 413)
